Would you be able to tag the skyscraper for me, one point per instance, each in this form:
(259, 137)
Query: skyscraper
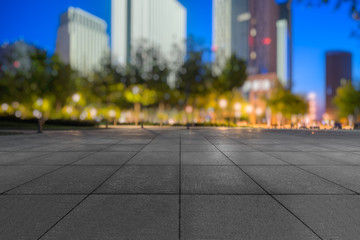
(338, 71)
(246, 28)
(230, 30)
(156, 24)
(284, 45)
(82, 40)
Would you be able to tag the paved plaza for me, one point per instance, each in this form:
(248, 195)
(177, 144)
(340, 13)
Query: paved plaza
(171, 183)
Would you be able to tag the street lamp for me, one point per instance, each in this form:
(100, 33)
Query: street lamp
(76, 97)
(223, 104)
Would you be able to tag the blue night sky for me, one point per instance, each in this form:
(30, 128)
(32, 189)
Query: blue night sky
(316, 30)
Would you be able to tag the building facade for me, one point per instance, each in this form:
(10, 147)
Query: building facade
(151, 24)
(230, 30)
(247, 29)
(257, 31)
(338, 72)
(82, 40)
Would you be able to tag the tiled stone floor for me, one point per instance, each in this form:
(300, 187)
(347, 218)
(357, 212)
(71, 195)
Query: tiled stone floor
(170, 183)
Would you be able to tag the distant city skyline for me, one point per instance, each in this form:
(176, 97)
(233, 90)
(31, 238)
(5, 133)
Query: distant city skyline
(316, 31)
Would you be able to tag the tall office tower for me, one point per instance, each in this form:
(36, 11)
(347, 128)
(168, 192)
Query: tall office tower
(230, 30)
(338, 71)
(284, 45)
(82, 40)
(156, 24)
(263, 37)
(246, 28)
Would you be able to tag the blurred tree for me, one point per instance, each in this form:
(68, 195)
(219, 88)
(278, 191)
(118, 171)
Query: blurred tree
(347, 100)
(233, 75)
(285, 102)
(62, 82)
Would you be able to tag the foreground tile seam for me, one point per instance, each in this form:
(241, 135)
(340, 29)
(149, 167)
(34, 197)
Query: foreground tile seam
(180, 193)
(92, 192)
(45, 174)
(299, 167)
(176, 194)
(269, 194)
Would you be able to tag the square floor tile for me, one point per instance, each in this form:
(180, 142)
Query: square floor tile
(204, 158)
(199, 148)
(106, 158)
(11, 158)
(340, 157)
(239, 217)
(28, 217)
(124, 148)
(56, 158)
(216, 180)
(273, 148)
(302, 158)
(332, 217)
(291, 180)
(67, 180)
(235, 148)
(347, 176)
(253, 158)
(162, 148)
(143, 179)
(121, 217)
(12, 176)
(156, 158)
(85, 148)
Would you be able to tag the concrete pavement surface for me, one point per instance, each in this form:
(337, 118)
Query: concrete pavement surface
(173, 183)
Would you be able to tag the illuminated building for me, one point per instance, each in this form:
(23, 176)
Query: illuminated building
(284, 46)
(257, 88)
(230, 30)
(156, 24)
(338, 71)
(247, 29)
(82, 40)
(262, 45)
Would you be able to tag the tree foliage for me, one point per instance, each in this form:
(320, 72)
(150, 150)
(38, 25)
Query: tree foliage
(285, 102)
(347, 100)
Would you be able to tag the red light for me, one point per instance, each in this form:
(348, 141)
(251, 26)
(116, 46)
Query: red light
(214, 48)
(251, 41)
(267, 41)
(16, 64)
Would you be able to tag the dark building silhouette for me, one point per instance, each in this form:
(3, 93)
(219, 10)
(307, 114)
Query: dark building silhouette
(338, 71)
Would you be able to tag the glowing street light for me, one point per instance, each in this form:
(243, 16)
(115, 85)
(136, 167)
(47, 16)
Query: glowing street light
(112, 113)
(258, 111)
(223, 103)
(39, 102)
(188, 109)
(249, 109)
(76, 97)
(237, 106)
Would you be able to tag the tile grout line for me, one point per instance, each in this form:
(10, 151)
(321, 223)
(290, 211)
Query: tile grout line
(180, 194)
(93, 191)
(268, 193)
(45, 174)
(299, 167)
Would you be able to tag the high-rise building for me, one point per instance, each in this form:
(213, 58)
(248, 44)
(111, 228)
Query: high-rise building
(82, 40)
(246, 28)
(230, 30)
(284, 45)
(338, 72)
(156, 24)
